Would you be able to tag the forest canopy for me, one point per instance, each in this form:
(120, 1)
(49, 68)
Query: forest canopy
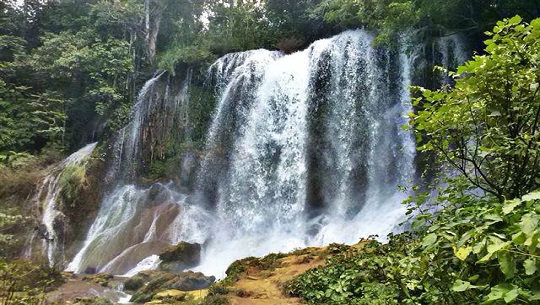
(67, 65)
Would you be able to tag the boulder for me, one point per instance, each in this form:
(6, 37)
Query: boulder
(171, 295)
(180, 257)
(99, 278)
(190, 280)
(158, 281)
(134, 283)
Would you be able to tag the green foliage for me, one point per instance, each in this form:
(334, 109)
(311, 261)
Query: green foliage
(269, 262)
(230, 28)
(17, 184)
(389, 17)
(26, 119)
(474, 250)
(24, 283)
(9, 220)
(488, 125)
(100, 68)
(70, 65)
(72, 178)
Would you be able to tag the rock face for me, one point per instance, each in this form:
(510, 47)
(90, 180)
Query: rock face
(180, 257)
(158, 281)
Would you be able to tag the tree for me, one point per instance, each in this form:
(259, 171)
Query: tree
(488, 125)
(90, 77)
(439, 17)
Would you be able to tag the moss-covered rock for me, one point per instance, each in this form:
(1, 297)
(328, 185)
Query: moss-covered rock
(171, 295)
(134, 283)
(92, 301)
(157, 281)
(269, 262)
(180, 257)
(81, 190)
(100, 278)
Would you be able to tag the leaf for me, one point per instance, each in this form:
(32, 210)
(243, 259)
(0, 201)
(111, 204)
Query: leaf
(531, 196)
(528, 223)
(429, 240)
(507, 264)
(519, 238)
(530, 266)
(460, 286)
(511, 295)
(495, 245)
(510, 205)
(463, 252)
(499, 292)
(515, 20)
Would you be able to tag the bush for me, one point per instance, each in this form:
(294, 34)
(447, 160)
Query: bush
(22, 282)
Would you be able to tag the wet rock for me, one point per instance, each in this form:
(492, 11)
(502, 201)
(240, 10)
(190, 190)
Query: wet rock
(100, 278)
(158, 281)
(190, 163)
(180, 257)
(134, 283)
(193, 281)
(92, 301)
(131, 256)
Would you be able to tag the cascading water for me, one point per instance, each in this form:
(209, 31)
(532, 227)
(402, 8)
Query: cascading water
(450, 53)
(312, 147)
(303, 149)
(47, 198)
(133, 223)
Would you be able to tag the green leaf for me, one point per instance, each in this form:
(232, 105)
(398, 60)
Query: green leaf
(531, 196)
(530, 266)
(528, 223)
(429, 240)
(499, 292)
(510, 205)
(515, 20)
(460, 286)
(511, 295)
(507, 264)
(494, 246)
(519, 238)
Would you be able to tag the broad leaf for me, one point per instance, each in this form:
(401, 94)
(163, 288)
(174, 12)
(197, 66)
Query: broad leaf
(530, 266)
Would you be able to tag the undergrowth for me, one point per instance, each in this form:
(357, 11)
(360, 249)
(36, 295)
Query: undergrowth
(474, 251)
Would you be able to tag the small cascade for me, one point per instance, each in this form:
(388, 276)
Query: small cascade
(47, 199)
(134, 223)
(159, 116)
(132, 143)
(449, 52)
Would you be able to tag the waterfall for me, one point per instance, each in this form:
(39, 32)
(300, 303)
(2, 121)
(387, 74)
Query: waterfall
(450, 52)
(303, 149)
(133, 222)
(310, 148)
(47, 200)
